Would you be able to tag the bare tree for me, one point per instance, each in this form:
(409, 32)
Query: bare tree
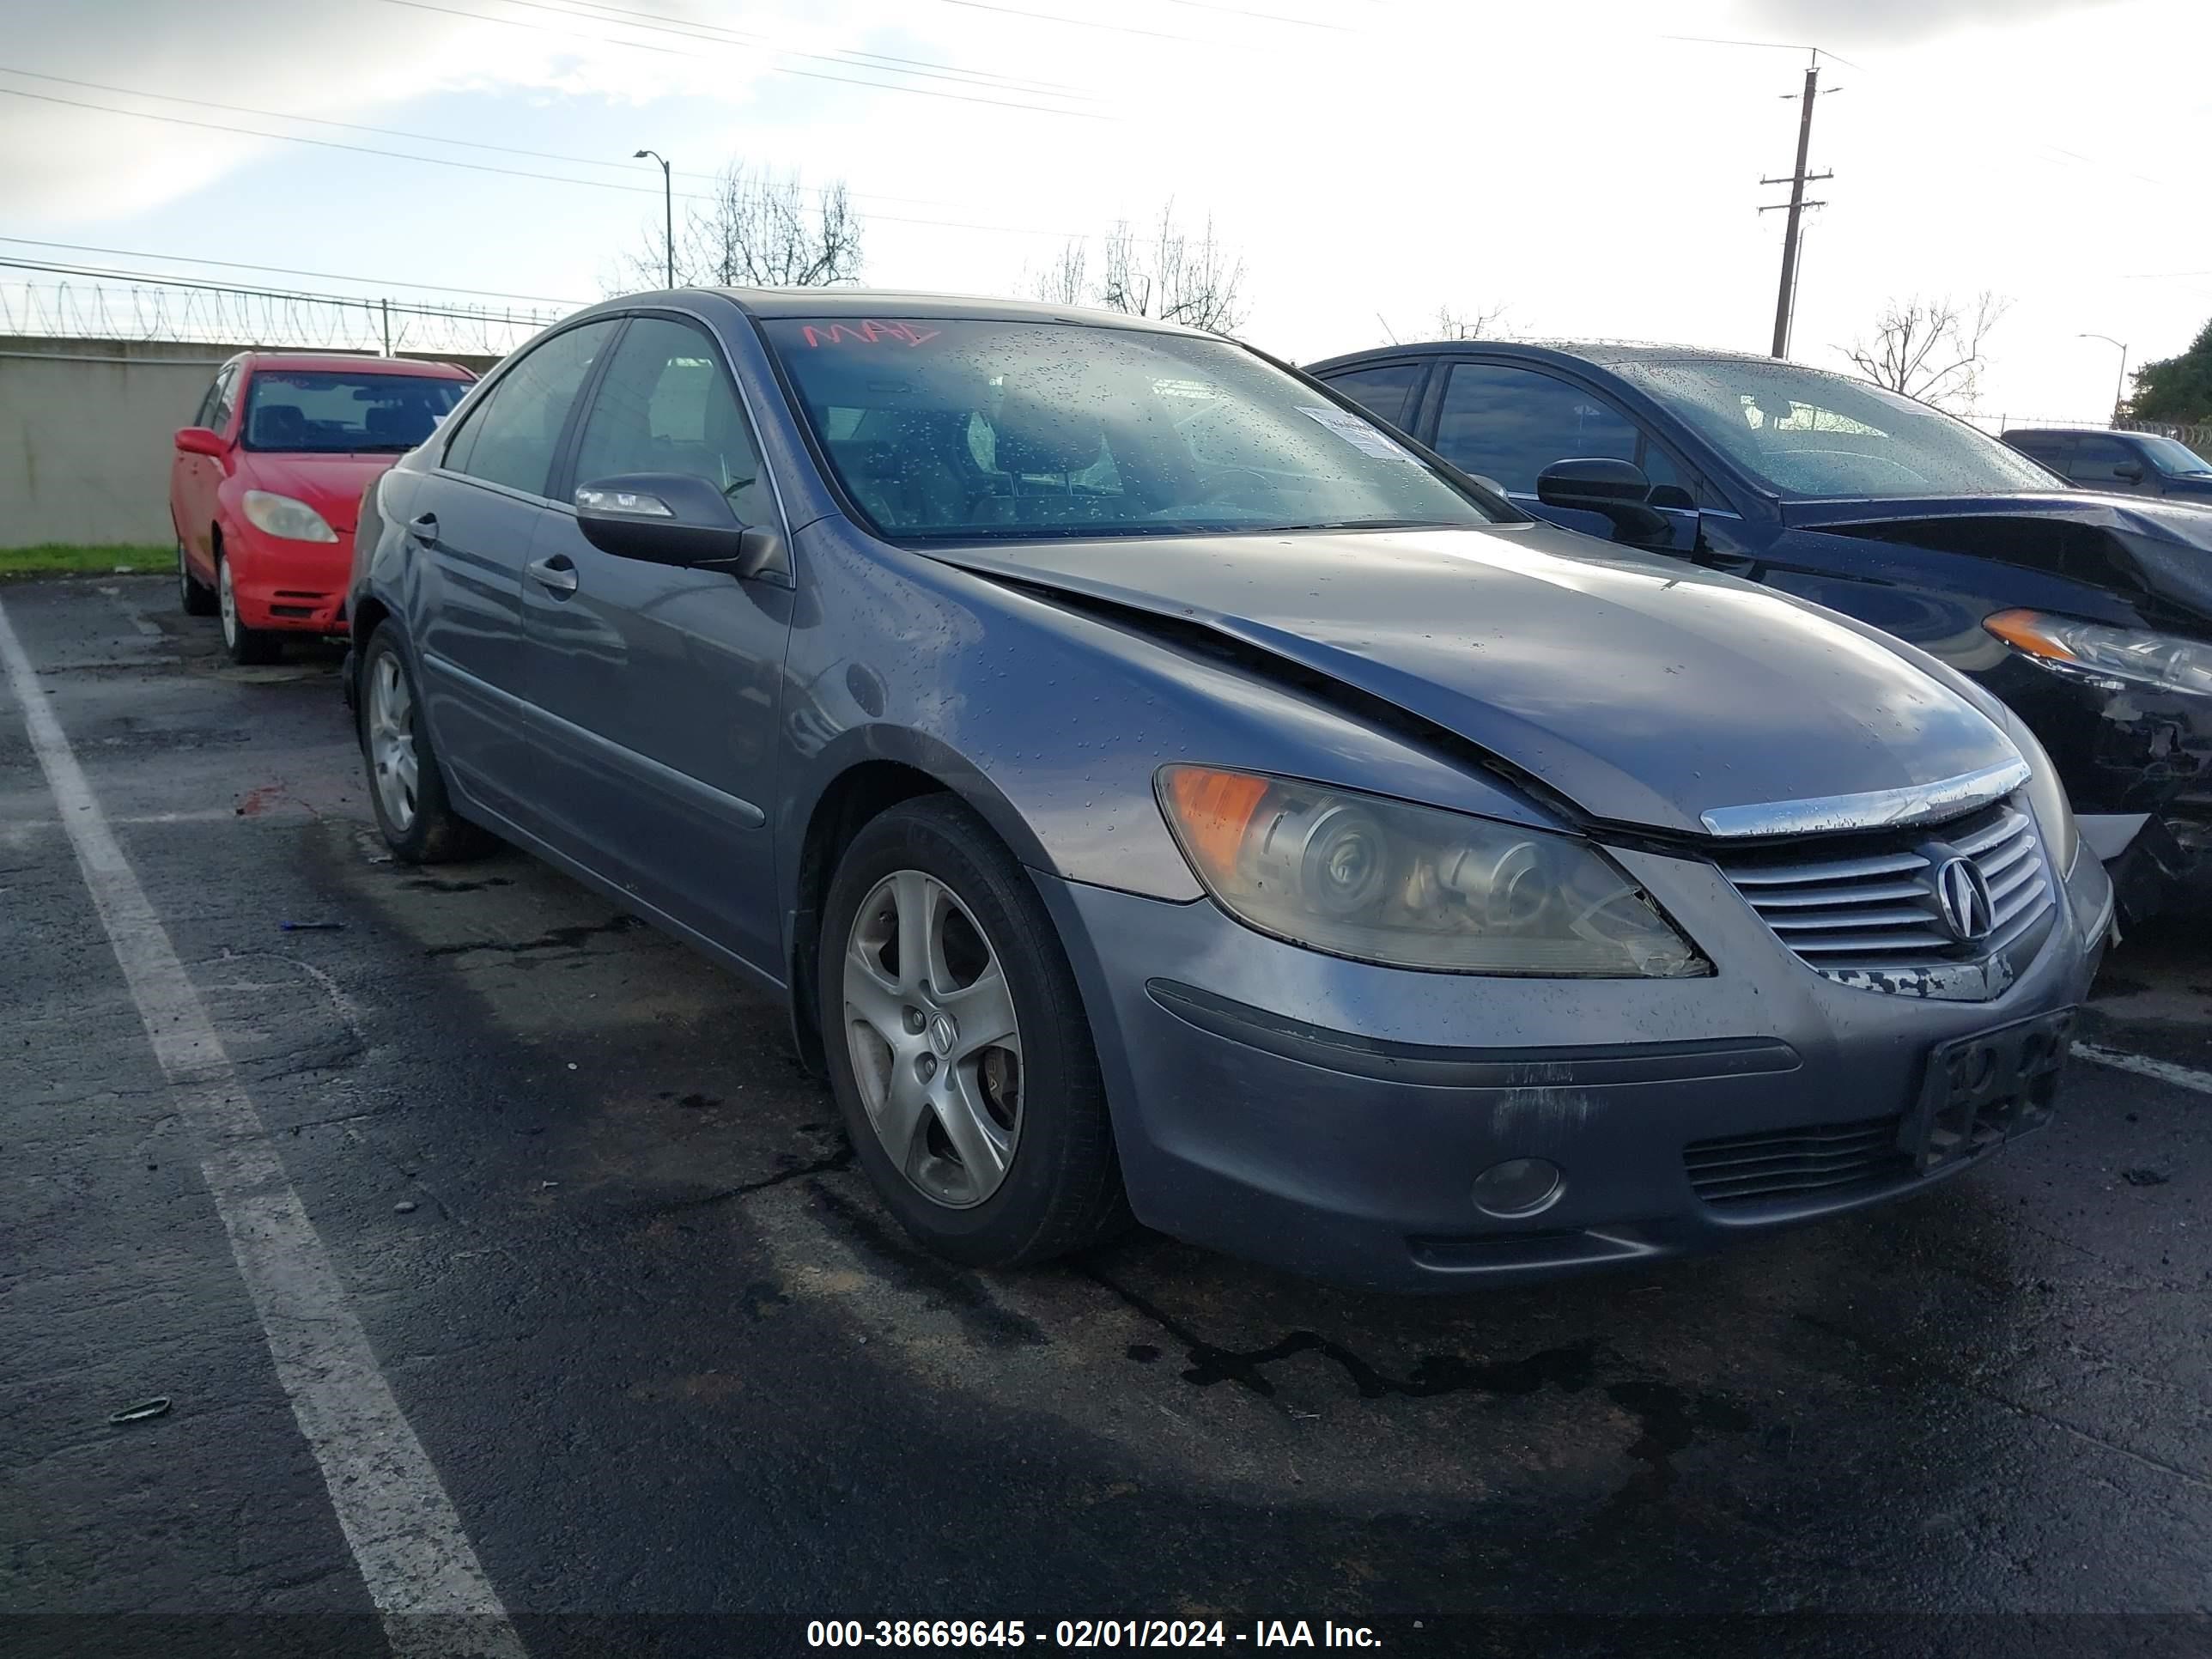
(1173, 275)
(1468, 324)
(759, 229)
(1067, 281)
(1930, 350)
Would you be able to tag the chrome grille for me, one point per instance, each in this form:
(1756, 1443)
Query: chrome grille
(1851, 906)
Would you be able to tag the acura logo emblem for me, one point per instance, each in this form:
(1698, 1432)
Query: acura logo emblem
(1962, 897)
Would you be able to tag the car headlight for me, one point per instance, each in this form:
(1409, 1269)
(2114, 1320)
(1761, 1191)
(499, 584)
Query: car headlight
(1360, 876)
(2046, 798)
(2125, 653)
(280, 515)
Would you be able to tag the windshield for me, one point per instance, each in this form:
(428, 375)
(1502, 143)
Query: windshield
(1801, 432)
(2175, 460)
(954, 429)
(313, 412)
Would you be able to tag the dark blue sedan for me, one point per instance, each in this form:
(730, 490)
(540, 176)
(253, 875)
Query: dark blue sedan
(1157, 789)
(2089, 613)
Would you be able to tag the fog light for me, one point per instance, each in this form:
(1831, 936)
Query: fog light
(1518, 1186)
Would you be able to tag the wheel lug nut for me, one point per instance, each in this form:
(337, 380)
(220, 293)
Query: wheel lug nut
(927, 1067)
(915, 1021)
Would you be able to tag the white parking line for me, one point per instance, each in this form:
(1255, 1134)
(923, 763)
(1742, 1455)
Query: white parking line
(2164, 1071)
(420, 1568)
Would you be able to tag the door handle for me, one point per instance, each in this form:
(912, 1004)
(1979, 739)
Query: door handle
(555, 575)
(424, 529)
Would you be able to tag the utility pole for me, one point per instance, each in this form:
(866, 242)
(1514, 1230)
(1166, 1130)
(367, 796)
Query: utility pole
(1785, 301)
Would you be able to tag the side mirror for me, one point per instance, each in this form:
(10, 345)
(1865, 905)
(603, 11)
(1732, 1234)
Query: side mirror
(1617, 489)
(677, 519)
(2129, 471)
(198, 440)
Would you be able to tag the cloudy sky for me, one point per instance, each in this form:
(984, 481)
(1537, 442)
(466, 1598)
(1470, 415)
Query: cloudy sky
(1371, 160)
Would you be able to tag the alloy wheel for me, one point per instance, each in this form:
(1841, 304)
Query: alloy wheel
(935, 1042)
(227, 597)
(391, 740)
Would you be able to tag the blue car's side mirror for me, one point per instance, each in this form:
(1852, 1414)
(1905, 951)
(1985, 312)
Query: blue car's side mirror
(1616, 488)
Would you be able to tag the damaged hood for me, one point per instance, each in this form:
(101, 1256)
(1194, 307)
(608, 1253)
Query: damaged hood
(1642, 689)
(2166, 545)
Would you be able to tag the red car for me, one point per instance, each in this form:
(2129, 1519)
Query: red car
(268, 480)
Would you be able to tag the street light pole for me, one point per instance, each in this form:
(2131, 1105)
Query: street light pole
(2120, 387)
(668, 208)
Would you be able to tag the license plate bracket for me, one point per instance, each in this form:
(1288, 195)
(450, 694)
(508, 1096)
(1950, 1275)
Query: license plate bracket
(1980, 1090)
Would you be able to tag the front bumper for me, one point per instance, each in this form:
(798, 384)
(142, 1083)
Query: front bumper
(289, 585)
(1331, 1117)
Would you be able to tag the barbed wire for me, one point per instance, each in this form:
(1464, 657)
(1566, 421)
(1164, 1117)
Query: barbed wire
(77, 303)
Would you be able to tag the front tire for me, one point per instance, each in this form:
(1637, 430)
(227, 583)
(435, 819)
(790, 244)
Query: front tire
(958, 1045)
(194, 596)
(249, 647)
(406, 788)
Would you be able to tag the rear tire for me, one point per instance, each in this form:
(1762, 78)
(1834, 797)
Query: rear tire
(406, 788)
(249, 647)
(991, 1145)
(194, 596)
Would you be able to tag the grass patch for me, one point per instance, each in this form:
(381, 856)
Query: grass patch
(58, 559)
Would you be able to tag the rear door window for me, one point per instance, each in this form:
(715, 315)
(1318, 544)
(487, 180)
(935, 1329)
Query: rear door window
(1383, 390)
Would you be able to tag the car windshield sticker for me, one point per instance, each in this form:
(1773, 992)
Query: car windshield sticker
(867, 333)
(1358, 433)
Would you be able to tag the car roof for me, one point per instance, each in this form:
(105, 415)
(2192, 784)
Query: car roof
(769, 303)
(341, 362)
(1602, 353)
(2072, 432)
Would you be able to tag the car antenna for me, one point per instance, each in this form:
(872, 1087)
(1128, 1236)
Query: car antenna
(1386, 327)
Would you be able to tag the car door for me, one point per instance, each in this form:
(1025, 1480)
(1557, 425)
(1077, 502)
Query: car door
(659, 683)
(2099, 462)
(1506, 422)
(193, 479)
(469, 522)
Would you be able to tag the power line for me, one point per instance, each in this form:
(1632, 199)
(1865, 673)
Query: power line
(774, 68)
(1264, 17)
(625, 167)
(663, 23)
(473, 166)
(1076, 22)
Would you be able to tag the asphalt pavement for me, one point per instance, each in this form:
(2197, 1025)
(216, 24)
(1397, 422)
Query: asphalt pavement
(684, 1386)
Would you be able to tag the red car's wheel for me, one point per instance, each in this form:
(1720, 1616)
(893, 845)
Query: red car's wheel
(246, 646)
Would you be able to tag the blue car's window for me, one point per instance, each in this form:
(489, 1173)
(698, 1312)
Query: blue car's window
(1804, 432)
(2096, 463)
(325, 411)
(1382, 390)
(1510, 424)
(964, 429)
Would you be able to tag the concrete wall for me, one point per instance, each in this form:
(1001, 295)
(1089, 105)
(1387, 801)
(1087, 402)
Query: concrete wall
(85, 435)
